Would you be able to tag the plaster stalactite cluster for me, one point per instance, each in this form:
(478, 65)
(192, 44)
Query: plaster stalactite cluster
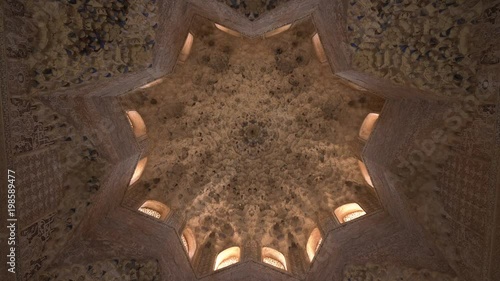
(256, 144)
(82, 169)
(370, 272)
(72, 42)
(109, 270)
(431, 45)
(252, 9)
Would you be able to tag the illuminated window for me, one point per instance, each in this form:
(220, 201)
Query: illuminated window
(137, 123)
(185, 243)
(354, 215)
(313, 243)
(150, 212)
(227, 262)
(153, 83)
(364, 172)
(274, 263)
(227, 30)
(349, 212)
(227, 257)
(277, 31)
(155, 209)
(186, 49)
(273, 257)
(367, 126)
(189, 242)
(138, 170)
(318, 47)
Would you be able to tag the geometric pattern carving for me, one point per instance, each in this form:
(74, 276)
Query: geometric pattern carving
(39, 187)
(466, 188)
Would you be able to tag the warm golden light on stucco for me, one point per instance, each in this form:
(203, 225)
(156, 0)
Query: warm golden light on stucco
(137, 123)
(155, 209)
(318, 48)
(368, 125)
(364, 172)
(274, 258)
(186, 49)
(139, 169)
(313, 243)
(227, 257)
(349, 212)
(228, 30)
(277, 31)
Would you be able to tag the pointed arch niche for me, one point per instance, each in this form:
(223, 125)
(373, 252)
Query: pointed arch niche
(227, 257)
(186, 49)
(368, 125)
(318, 48)
(137, 123)
(155, 209)
(273, 257)
(189, 242)
(364, 172)
(313, 243)
(227, 30)
(139, 169)
(349, 212)
(277, 31)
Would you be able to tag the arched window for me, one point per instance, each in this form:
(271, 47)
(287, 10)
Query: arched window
(186, 49)
(349, 212)
(227, 257)
(138, 170)
(137, 123)
(364, 172)
(318, 47)
(277, 31)
(273, 257)
(155, 209)
(313, 243)
(189, 242)
(227, 30)
(367, 126)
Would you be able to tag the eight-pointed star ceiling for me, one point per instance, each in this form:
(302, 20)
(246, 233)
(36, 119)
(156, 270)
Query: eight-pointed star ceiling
(251, 138)
(84, 221)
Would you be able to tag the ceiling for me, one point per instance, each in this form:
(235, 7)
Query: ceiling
(252, 141)
(251, 138)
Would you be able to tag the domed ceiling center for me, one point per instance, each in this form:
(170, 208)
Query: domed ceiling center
(253, 133)
(253, 136)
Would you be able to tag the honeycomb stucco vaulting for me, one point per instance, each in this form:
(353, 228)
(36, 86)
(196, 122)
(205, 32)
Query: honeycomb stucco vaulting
(252, 9)
(251, 140)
